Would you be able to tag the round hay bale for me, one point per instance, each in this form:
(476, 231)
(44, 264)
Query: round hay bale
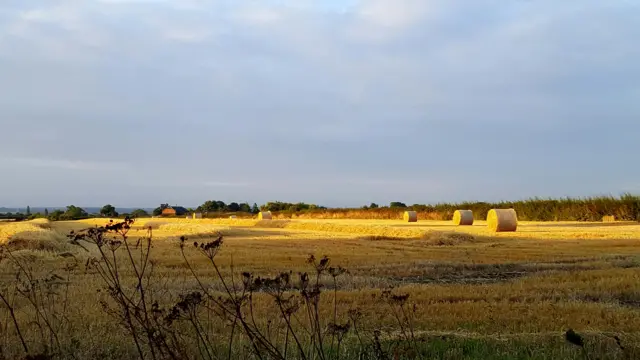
(608, 218)
(265, 215)
(500, 220)
(410, 216)
(233, 217)
(463, 217)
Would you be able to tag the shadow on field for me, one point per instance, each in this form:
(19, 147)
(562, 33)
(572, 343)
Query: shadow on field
(432, 238)
(460, 273)
(28, 240)
(279, 224)
(584, 225)
(242, 232)
(536, 346)
(421, 224)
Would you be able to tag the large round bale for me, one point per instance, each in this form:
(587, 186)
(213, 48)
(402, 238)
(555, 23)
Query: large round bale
(265, 215)
(501, 220)
(463, 217)
(410, 216)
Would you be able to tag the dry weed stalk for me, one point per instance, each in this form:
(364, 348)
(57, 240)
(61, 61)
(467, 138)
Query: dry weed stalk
(297, 329)
(47, 299)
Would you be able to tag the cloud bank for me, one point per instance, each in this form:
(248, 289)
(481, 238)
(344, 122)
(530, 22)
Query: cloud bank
(137, 102)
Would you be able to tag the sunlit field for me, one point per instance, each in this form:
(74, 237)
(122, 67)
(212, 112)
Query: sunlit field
(477, 294)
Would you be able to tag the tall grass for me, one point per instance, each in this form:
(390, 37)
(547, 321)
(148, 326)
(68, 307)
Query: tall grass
(625, 207)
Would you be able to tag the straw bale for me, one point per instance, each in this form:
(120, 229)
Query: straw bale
(410, 216)
(500, 220)
(463, 217)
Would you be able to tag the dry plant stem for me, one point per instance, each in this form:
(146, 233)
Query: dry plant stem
(287, 319)
(233, 333)
(112, 279)
(139, 286)
(134, 311)
(15, 323)
(33, 300)
(253, 321)
(254, 337)
(194, 321)
(335, 310)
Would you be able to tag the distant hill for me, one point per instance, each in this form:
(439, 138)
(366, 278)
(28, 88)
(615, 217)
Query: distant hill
(89, 209)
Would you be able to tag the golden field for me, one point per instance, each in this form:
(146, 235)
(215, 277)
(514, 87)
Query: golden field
(465, 281)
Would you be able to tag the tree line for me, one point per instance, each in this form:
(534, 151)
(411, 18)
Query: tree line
(72, 212)
(625, 207)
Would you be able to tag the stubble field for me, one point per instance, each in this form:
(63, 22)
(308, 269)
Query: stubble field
(477, 294)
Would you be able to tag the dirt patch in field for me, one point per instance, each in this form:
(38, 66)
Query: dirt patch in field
(627, 299)
(381, 238)
(446, 273)
(448, 238)
(435, 238)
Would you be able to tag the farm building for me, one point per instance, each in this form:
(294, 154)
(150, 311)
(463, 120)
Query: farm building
(174, 211)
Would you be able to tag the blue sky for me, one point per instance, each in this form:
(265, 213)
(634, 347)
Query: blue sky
(340, 103)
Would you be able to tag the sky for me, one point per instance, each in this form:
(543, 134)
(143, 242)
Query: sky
(338, 103)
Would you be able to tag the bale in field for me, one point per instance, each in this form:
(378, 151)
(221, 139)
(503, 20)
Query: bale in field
(500, 220)
(233, 217)
(608, 218)
(264, 215)
(463, 217)
(410, 216)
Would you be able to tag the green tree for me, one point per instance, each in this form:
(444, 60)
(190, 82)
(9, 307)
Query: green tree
(108, 211)
(373, 206)
(28, 210)
(46, 212)
(139, 213)
(397, 204)
(245, 207)
(74, 213)
(255, 209)
(212, 206)
(56, 215)
(233, 207)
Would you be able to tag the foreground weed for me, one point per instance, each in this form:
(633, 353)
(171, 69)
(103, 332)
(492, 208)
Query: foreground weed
(46, 296)
(210, 323)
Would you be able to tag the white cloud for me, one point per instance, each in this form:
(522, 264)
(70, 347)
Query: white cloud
(58, 30)
(129, 2)
(61, 15)
(383, 20)
(394, 14)
(188, 35)
(64, 164)
(369, 90)
(258, 15)
(225, 184)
